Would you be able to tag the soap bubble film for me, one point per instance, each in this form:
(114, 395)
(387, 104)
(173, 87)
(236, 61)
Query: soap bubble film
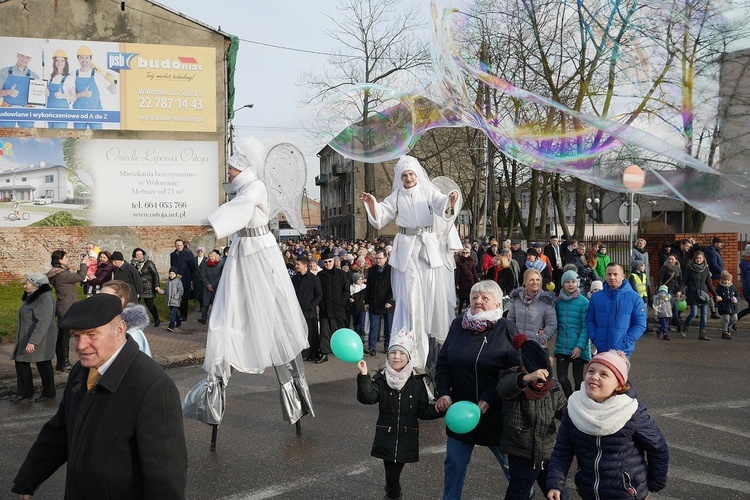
(579, 88)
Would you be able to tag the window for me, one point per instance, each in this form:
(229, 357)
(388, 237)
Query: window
(49, 179)
(7, 181)
(23, 179)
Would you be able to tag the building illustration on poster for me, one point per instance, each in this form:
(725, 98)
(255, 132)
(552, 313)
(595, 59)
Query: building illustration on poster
(69, 84)
(110, 182)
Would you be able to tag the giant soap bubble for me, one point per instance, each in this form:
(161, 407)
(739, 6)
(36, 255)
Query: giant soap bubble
(579, 88)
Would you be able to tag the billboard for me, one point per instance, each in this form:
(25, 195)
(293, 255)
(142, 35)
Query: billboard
(69, 84)
(108, 182)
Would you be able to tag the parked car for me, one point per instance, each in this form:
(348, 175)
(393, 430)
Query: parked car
(45, 199)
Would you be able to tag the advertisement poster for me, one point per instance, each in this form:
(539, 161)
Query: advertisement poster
(69, 84)
(102, 182)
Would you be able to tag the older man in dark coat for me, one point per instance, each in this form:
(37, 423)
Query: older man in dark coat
(379, 301)
(119, 424)
(335, 287)
(309, 294)
(182, 258)
(126, 272)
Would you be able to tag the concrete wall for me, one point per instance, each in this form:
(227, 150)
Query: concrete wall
(24, 250)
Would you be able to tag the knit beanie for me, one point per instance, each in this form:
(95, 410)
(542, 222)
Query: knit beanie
(533, 355)
(173, 270)
(570, 276)
(664, 289)
(616, 361)
(37, 279)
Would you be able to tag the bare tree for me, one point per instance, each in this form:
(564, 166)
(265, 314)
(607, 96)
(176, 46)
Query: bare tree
(381, 48)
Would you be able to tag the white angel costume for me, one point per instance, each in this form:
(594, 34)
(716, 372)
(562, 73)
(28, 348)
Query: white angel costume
(422, 258)
(256, 321)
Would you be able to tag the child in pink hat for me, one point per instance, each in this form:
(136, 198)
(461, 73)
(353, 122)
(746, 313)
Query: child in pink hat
(621, 452)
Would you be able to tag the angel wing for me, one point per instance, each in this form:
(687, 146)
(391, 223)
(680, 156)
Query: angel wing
(284, 174)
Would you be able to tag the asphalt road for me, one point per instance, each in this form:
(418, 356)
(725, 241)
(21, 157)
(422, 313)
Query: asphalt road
(696, 391)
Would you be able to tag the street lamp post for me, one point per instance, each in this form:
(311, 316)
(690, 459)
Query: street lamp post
(591, 206)
(231, 128)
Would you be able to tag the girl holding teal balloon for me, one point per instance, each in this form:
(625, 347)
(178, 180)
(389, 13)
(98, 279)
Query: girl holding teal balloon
(403, 399)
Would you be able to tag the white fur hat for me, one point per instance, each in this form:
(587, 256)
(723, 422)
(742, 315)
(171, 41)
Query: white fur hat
(249, 154)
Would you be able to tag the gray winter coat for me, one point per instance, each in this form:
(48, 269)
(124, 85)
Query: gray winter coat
(36, 325)
(64, 283)
(174, 291)
(540, 314)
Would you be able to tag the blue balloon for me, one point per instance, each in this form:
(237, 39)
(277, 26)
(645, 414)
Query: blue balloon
(347, 346)
(462, 417)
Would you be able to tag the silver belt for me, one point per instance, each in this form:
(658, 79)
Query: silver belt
(415, 231)
(249, 232)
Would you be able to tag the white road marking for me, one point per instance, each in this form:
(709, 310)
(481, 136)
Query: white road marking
(702, 477)
(289, 486)
(721, 457)
(716, 427)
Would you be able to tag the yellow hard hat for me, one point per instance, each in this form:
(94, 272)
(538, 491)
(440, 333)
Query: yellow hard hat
(60, 53)
(85, 51)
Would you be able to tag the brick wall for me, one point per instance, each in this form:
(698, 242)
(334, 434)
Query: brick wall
(28, 249)
(730, 254)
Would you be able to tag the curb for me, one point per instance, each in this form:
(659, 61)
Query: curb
(8, 385)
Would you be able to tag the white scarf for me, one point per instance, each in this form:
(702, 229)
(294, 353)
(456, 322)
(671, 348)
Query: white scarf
(492, 316)
(600, 419)
(397, 380)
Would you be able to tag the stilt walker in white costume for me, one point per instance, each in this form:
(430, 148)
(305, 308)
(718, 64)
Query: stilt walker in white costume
(256, 321)
(422, 256)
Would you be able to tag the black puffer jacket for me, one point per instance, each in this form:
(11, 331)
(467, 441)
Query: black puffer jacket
(397, 430)
(149, 276)
(468, 368)
(529, 429)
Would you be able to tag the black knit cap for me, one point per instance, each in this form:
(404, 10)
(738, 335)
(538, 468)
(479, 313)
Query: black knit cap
(92, 312)
(533, 355)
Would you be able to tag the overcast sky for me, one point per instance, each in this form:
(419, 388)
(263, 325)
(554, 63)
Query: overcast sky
(267, 77)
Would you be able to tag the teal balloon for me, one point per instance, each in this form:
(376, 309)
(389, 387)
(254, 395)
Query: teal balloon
(681, 305)
(347, 346)
(462, 417)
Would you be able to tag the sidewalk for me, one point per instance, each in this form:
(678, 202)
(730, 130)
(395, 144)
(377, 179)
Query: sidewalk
(168, 348)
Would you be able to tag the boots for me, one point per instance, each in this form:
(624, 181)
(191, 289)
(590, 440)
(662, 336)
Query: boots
(702, 335)
(726, 335)
(63, 363)
(683, 331)
(204, 315)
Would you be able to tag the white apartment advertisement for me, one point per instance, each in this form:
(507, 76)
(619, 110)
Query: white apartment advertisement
(152, 183)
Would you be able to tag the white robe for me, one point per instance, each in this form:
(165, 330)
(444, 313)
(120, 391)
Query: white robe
(256, 321)
(422, 282)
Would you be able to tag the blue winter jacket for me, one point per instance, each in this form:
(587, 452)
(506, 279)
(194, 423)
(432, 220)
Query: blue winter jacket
(616, 318)
(745, 278)
(714, 261)
(614, 466)
(572, 331)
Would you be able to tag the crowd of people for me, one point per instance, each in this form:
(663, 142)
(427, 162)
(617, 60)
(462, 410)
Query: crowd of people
(531, 336)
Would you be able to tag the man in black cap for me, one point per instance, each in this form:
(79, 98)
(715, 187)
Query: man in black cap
(127, 273)
(335, 287)
(119, 424)
(518, 254)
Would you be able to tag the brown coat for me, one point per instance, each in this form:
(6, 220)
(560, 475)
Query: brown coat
(65, 282)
